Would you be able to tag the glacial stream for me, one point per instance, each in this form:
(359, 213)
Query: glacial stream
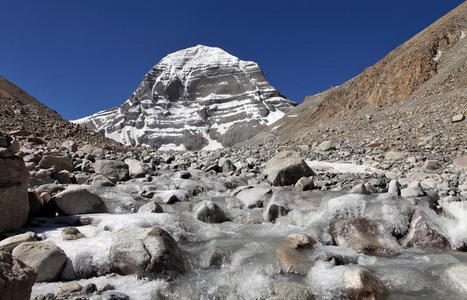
(238, 259)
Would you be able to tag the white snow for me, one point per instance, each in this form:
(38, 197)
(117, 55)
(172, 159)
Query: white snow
(274, 117)
(341, 167)
(212, 144)
(167, 147)
(438, 55)
(462, 35)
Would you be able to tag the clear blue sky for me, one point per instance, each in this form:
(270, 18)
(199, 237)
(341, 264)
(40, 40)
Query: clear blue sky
(79, 57)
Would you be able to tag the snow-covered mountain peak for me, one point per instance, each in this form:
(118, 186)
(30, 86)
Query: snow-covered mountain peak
(196, 98)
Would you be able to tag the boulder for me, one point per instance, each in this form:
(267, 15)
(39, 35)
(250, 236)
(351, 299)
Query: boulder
(149, 252)
(71, 233)
(300, 241)
(16, 278)
(359, 189)
(114, 170)
(360, 284)
(151, 207)
(8, 244)
(273, 211)
(136, 168)
(59, 163)
(46, 259)
(209, 212)
(100, 180)
(75, 200)
(14, 199)
(92, 150)
(425, 232)
(254, 196)
(69, 145)
(394, 187)
(366, 236)
(414, 189)
(305, 184)
(291, 261)
(286, 168)
(325, 146)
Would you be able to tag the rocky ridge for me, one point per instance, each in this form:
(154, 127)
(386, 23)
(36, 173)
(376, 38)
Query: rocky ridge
(197, 98)
(413, 97)
(32, 122)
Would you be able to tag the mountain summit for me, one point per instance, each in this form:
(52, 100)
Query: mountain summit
(197, 98)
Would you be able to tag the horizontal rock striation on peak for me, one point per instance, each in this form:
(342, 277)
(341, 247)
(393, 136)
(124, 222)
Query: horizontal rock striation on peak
(197, 98)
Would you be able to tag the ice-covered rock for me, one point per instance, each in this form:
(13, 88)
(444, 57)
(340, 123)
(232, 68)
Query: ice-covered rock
(197, 98)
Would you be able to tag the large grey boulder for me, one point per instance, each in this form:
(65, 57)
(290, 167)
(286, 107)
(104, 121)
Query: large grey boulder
(286, 168)
(16, 278)
(14, 200)
(46, 259)
(59, 163)
(136, 168)
(114, 170)
(78, 199)
(149, 252)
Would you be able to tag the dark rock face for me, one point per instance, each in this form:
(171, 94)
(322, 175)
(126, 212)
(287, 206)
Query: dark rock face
(200, 97)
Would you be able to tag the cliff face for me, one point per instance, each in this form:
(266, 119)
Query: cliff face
(196, 98)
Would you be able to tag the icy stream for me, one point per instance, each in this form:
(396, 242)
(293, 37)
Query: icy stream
(238, 259)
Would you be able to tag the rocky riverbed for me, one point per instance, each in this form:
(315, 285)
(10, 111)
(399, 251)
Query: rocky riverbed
(326, 221)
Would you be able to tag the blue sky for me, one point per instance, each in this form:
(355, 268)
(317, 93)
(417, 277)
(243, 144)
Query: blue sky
(79, 57)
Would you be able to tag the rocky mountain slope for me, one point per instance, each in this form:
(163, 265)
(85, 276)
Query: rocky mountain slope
(27, 119)
(416, 94)
(197, 98)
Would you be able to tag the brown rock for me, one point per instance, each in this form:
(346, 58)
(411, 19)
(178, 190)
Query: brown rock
(366, 236)
(16, 278)
(424, 232)
(360, 284)
(14, 203)
(291, 261)
(300, 240)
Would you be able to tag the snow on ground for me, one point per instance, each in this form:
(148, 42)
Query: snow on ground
(171, 146)
(340, 167)
(274, 116)
(212, 144)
